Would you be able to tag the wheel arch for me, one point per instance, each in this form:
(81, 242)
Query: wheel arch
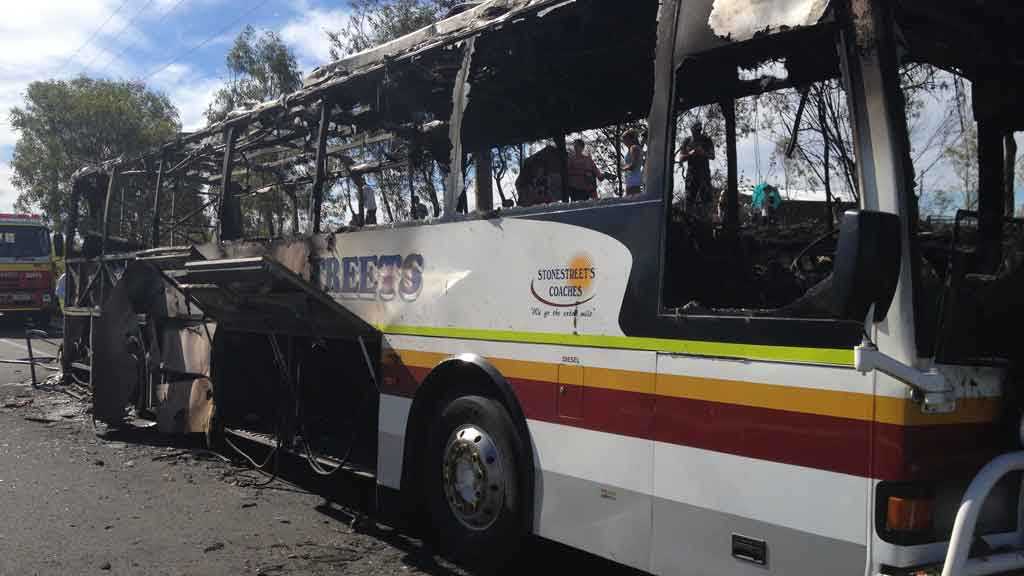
(465, 374)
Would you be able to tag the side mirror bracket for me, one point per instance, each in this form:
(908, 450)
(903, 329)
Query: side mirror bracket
(930, 388)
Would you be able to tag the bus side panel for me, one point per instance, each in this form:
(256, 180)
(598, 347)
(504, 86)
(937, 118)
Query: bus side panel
(589, 412)
(594, 492)
(775, 453)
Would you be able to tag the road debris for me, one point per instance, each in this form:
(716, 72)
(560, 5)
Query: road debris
(41, 419)
(214, 547)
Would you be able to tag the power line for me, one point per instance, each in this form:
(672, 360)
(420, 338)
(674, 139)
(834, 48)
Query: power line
(121, 32)
(233, 23)
(92, 36)
(163, 18)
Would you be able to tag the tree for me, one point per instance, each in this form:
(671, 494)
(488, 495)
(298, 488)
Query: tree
(65, 125)
(963, 158)
(374, 22)
(261, 67)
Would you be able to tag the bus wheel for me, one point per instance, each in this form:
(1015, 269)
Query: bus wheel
(475, 481)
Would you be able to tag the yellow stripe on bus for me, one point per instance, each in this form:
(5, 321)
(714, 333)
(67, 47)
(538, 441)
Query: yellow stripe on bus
(834, 403)
(829, 356)
(907, 413)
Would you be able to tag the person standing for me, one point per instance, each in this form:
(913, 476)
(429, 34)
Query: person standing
(698, 151)
(369, 206)
(765, 202)
(633, 165)
(419, 210)
(583, 174)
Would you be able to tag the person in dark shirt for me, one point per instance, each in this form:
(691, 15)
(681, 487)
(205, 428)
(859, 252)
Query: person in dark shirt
(583, 174)
(698, 151)
(419, 210)
(539, 181)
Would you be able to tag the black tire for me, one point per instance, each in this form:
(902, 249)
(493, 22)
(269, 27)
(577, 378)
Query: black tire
(484, 547)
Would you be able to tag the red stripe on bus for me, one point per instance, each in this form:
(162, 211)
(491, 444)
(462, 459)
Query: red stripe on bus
(822, 442)
(900, 453)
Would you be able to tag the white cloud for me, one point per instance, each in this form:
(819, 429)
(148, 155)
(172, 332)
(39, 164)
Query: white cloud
(192, 99)
(39, 40)
(189, 90)
(7, 192)
(171, 75)
(306, 34)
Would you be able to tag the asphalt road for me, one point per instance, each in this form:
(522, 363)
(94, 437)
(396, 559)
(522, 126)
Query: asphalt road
(78, 500)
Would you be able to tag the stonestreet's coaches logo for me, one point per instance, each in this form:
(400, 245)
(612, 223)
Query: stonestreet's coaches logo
(566, 286)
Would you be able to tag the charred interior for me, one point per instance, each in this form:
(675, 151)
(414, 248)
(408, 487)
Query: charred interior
(754, 266)
(969, 265)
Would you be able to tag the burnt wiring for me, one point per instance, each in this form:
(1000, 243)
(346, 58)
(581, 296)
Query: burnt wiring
(357, 426)
(274, 452)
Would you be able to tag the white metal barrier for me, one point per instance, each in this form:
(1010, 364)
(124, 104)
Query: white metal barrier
(957, 563)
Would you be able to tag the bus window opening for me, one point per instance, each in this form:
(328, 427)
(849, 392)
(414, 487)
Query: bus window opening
(764, 166)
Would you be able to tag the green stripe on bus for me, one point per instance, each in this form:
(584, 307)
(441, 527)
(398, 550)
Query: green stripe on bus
(843, 357)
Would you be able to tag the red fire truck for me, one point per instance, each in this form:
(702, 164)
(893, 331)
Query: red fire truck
(27, 268)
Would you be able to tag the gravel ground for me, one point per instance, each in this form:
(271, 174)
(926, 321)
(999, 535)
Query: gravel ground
(75, 502)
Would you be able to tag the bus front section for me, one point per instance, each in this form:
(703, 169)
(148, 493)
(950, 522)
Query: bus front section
(947, 481)
(894, 132)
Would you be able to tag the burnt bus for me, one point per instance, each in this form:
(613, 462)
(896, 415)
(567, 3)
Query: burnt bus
(678, 393)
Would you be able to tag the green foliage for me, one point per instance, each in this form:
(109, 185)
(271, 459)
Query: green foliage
(963, 159)
(374, 22)
(261, 67)
(67, 124)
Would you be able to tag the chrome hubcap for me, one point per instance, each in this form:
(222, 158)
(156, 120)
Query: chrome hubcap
(474, 484)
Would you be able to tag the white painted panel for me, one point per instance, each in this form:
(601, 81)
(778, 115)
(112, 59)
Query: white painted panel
(391, 425)
(507, 274)
(594, 491)
(394, 414)
(614, 524)
(390, 449)
(609, 459)
(816, 501)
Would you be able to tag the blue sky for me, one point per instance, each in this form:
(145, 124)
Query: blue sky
(177, 45)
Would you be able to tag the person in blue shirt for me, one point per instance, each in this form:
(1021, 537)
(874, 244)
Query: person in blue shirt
(765, 202)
